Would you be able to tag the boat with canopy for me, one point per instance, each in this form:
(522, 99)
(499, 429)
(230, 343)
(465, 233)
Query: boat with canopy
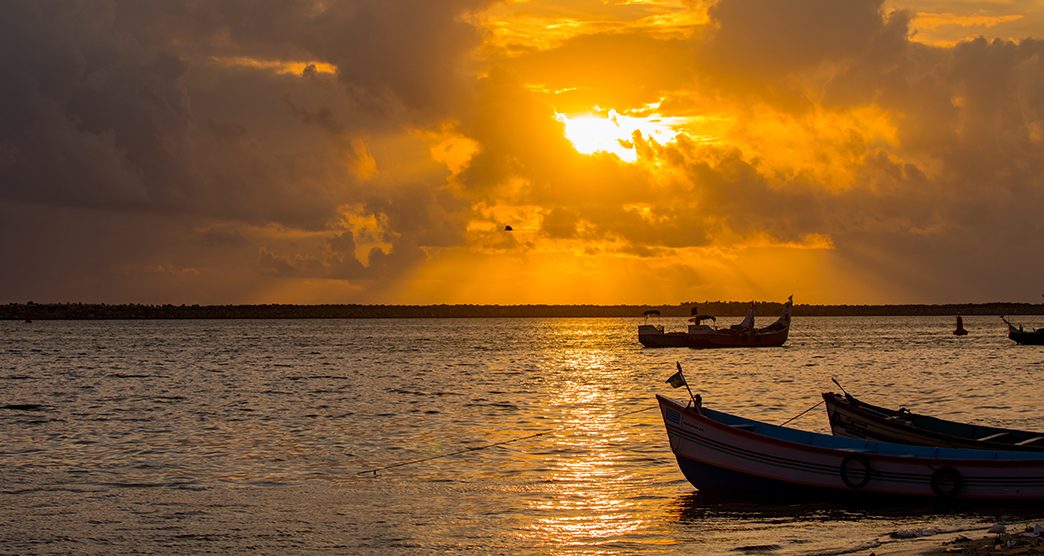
(703, 336)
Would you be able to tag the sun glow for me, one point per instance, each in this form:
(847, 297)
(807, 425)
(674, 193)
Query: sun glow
(614, 132)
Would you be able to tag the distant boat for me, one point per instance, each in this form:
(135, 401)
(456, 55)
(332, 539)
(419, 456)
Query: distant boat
(1035, 338)
(960, 331)
(853, 418)
(728, 456)
(702, 336)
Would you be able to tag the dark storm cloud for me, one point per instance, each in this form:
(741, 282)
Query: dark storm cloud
(393, 54)
(771, 40)
(120, 108)
(964, 180)
(90, 119)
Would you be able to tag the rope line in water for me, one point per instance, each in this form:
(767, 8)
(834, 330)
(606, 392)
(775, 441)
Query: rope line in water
(472, 449)
(476, 448)
(637, 411)
(802, 413)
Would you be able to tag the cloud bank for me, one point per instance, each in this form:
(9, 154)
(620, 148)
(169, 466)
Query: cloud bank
(374, 151)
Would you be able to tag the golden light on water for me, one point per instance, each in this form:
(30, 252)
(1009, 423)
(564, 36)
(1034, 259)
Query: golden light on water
(592, 502)
(614, 132)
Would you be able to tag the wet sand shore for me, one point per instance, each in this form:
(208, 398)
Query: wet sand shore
(1009, 539)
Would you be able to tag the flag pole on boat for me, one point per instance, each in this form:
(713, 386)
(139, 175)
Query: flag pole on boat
(677, 380)
(834, 380)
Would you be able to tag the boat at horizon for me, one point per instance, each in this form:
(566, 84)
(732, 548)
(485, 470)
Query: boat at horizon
(853, 418)
(702, 336)
(731, 457)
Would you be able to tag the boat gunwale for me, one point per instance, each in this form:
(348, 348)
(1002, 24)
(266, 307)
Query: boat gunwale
(930, 427)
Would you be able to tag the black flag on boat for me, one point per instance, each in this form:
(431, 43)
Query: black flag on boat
(677, 380)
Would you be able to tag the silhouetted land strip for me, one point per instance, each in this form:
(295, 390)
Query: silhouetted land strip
(82, 311)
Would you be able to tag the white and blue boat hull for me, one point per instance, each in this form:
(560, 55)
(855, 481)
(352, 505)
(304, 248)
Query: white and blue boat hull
(726, 455)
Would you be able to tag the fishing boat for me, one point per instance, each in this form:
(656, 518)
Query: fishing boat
(852, 418)
(1034, 338)
(703, 336)
(728, 456)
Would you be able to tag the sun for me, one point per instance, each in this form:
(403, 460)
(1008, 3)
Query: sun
(614, 132)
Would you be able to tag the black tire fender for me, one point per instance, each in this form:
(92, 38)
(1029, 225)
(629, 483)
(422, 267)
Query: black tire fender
(867, 471)
(946, 482)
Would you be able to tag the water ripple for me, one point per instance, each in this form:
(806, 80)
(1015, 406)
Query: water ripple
(234, 436)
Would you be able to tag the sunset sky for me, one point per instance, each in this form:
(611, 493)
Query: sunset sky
(642, 151)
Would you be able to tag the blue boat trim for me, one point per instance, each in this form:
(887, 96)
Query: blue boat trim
(672, 416)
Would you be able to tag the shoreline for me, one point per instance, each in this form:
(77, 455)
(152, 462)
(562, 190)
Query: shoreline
(135, 311)
(1019, 537)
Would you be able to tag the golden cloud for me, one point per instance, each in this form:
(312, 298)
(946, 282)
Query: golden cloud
(281, 67)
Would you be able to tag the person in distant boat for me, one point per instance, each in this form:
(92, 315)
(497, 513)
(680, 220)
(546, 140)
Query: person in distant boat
(747, 326)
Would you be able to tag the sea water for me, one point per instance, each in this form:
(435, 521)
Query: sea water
(449, 435)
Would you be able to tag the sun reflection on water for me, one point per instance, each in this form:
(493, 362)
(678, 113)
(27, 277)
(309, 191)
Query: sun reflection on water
(590, 501)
